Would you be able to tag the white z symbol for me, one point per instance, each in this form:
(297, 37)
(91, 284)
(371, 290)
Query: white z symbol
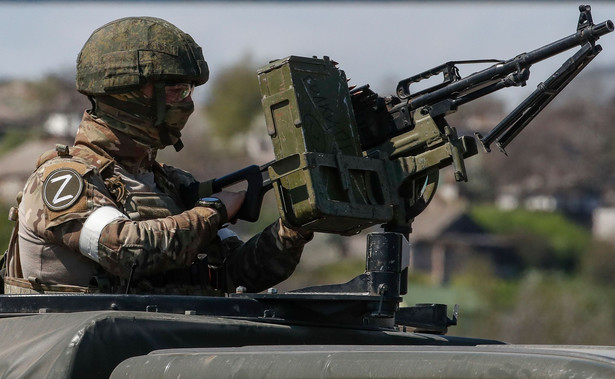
(66, 179)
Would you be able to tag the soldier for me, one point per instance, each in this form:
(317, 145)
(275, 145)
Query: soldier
(105, 216)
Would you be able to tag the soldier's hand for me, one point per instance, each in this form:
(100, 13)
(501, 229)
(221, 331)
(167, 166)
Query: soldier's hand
(232, 201)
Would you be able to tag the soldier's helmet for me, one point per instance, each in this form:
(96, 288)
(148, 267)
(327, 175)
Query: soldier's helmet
(125, 54)
(122, 57)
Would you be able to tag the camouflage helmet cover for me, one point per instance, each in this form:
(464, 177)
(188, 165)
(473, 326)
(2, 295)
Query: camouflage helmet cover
(124, 54)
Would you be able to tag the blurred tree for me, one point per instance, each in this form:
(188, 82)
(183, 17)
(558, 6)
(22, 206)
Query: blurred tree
(234, 100)
(569, 146)
(6, 228)
(544, 308)
(478, 116)
(568, 150)
(598, 264)
(545, 240)
(554, 309)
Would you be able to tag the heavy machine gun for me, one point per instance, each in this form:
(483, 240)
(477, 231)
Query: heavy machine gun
(378, 161)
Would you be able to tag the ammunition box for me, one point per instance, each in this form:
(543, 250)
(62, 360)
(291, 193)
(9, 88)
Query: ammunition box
(321, 179)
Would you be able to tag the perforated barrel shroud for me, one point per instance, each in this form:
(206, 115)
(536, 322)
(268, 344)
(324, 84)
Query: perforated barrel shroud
(321, 179)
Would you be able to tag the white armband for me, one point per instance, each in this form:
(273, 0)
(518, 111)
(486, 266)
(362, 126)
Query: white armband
(92, 228)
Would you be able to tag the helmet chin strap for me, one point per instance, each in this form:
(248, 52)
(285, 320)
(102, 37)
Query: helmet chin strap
(178, 145)
(159, 101)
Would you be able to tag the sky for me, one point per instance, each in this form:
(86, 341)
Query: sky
(375, 43)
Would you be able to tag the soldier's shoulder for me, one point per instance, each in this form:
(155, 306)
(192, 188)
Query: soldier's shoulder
(80, 158)
(61, 182)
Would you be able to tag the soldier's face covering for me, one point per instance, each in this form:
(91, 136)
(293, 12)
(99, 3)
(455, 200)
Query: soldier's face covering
(135, 113)
(176, 116)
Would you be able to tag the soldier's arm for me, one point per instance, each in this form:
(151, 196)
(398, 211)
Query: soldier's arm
(152, 246)
(155, 245)
(266, 259)
(95, 227)
(263, 261)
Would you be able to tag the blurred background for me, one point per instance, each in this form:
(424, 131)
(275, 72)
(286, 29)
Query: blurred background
(526, 247)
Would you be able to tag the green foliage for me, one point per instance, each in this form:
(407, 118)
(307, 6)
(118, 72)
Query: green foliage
(598, 264)
(539, 307)
(551, 309)
(340, 271)
(543, 239)
(234, 100)
(15, 137)
(6, 227)
(423, 293)
(479, 277)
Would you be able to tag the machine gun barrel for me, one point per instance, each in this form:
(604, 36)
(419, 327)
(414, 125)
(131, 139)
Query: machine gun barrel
(499, 71)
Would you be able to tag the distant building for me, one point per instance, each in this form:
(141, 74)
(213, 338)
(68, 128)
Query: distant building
(445, 238)
(604, 224)
(578, 204)
(17, 165)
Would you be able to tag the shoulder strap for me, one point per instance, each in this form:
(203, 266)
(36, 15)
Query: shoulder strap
(11, 264)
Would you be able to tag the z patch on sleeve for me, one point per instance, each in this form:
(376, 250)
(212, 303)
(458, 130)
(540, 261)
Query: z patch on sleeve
(62, 188)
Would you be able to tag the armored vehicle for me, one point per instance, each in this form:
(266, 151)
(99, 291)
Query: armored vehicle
(354, 330)
(346, 159)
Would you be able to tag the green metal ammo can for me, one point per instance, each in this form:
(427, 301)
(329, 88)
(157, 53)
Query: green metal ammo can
(321, 179)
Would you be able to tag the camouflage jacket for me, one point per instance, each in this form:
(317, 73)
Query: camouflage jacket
(104, 211)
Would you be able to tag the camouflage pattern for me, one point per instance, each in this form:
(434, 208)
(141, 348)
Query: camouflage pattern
(140, 119)
(124, 54)
(123, 57)
(165, 244)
